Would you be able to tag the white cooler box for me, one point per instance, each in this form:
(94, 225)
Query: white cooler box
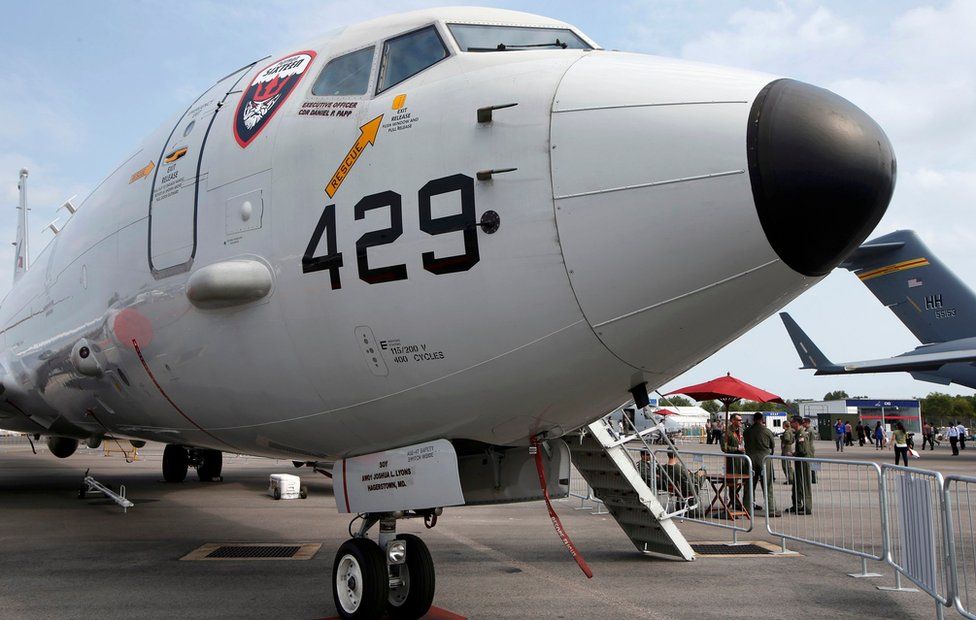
(286, 486)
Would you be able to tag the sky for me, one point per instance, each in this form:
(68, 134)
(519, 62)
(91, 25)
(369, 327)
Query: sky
(87, 81)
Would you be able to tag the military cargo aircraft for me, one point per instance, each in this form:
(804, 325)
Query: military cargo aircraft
(926, 296)
(420, 244)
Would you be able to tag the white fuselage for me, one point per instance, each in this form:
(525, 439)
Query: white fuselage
(625, 234)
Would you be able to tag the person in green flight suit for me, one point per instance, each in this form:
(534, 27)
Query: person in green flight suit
(811, 446)
(732, 444)
(646, 468)
(786, 441)
(802, 491)
(760, 443)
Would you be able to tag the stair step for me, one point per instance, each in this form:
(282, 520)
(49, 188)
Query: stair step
(612, 475)
(606, 468)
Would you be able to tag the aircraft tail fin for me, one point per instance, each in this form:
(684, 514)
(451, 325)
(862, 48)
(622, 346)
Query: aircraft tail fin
(810, 355)
(909, 279)
(20, 243)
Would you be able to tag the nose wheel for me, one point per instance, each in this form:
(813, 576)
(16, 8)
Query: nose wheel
(360, 585)
(413, 597)
(394, 576)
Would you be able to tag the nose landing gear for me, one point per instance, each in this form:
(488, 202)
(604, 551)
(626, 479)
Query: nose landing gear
(395, 574)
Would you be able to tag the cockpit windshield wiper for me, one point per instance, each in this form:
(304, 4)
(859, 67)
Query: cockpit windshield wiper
(503, 47)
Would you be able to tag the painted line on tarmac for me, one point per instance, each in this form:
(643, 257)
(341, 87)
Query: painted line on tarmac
(435, 613)
(582, 588)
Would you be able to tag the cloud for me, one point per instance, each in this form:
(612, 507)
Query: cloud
(777, 40)
(280, 23)
(36, 110)
(317, 18)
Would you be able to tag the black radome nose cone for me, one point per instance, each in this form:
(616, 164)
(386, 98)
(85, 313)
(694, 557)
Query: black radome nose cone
(822, 174)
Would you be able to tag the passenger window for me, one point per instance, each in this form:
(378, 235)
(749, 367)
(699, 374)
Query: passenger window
(346, 75)
(408, 55)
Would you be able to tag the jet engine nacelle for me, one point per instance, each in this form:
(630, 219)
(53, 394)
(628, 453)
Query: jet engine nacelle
(62, 447)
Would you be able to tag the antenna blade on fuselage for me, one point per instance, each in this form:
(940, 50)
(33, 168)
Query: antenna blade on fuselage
(20, 243)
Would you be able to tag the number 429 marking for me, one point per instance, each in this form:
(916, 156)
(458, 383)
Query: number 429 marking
(463, 222)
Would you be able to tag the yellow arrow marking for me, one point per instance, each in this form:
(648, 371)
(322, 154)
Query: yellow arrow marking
(141, 173)
(367, 135)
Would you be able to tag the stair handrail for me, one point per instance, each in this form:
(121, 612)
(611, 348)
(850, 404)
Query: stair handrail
(658, 470)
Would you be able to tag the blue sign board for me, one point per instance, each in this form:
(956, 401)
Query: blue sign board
(882, 403)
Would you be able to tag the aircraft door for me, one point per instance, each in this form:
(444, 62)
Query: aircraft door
(177, 178)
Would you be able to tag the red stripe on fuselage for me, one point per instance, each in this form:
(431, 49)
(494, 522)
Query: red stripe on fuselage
(135, 345)
(345, 489)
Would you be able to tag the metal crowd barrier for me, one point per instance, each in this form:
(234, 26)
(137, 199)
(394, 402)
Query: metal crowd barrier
(676, 501)
(959, 501)
(921, 523)
(722, 483)
(916, 531)
(837, 513)
(580, 489)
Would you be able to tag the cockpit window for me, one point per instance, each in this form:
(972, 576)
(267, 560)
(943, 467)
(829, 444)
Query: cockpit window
(480, 38)
(346, 75)
(408, 55)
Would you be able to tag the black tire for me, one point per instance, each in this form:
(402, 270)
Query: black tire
(211, 464)
(176, 462)
(360, 566)
(276, 493)
(82, 492)
(303, 493)
(414, 599)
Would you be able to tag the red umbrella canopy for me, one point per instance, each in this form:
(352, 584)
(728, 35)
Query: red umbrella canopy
(727, 389)
(665, 412)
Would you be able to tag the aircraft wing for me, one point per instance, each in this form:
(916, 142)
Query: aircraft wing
(908, 362)
(914, 361)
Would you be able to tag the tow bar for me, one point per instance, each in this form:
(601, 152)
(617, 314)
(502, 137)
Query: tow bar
(90, 485)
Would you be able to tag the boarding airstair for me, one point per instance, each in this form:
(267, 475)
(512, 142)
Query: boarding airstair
(603, 457)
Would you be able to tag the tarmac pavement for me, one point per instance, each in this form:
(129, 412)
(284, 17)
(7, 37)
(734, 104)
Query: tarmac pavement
(62, 557)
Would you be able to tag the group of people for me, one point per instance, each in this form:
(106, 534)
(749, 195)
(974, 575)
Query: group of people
(900, 439)
(757, 442)
(714, 431)
(877, 436)
(956, 433)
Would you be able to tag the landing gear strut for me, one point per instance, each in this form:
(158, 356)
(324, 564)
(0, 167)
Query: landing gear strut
(178, 459)
(395, 574)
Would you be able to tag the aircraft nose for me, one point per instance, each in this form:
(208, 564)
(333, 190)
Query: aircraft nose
(822, 173)
(691, 200)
